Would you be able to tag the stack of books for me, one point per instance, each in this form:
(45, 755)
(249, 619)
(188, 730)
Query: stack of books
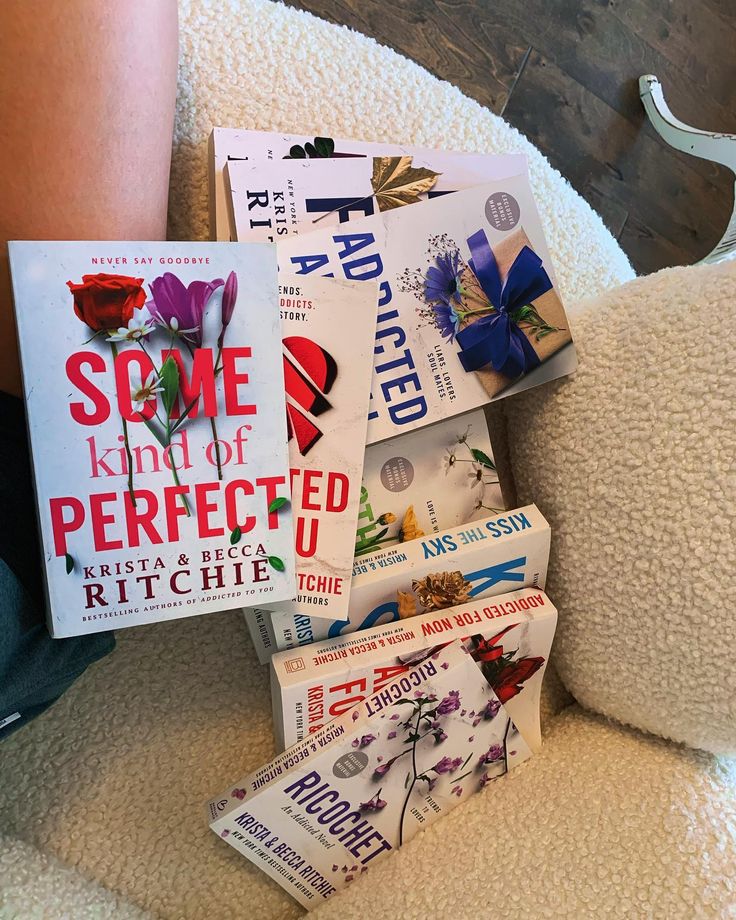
(290, 419)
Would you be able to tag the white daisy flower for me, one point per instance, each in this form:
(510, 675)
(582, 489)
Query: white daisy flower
(140, 395)
(139, 326)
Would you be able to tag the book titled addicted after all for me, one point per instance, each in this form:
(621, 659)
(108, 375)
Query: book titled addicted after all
(156, 409)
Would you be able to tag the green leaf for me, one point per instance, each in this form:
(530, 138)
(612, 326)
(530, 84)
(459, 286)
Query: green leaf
(467, 759)
(311, 150)
(170, 383)
(399, 702)
(324, 146)
(407, 780)
(69, 563)
(296, 153)
(277, 503)
(235, 536)
(185, 413)
(482, 458)
(276, 563)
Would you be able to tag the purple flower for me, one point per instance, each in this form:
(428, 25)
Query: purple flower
(229, 296)
(449, 704)
(471, 738)
(224, 833)
(366, 740)
(445, 665)
(442, 281)
(393, 717)
(447, 765)
(492, 755)
(439, 736)
(181, 309)
(492, 709)
(238, 793)
(355, 715)
(348, 878)
(476, 721)
(418, 694)
(485, 779)
(446, 320)
(457, 790)
(391, 735)
(383, 768)
(374, 804)
(334, 868)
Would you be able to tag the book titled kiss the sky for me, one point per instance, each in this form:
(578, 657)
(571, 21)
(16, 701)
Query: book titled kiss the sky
(271, 199)
(328, 327)
(468, 309)
(155, 398)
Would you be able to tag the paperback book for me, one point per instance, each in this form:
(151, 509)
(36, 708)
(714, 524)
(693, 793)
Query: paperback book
(468, 309)
(230, 145)
(272, 199)
(426, 481)
(467, 563)
(327, 377)
(508, 636)
(345, 797)
(156, 409)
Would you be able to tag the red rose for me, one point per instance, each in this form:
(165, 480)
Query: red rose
(107, 301)
(509, 683)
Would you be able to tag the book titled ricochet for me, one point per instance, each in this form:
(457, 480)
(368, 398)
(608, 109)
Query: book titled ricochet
(155, 400)
(334, 804)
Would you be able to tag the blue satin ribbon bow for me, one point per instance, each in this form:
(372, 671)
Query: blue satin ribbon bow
(495, 339)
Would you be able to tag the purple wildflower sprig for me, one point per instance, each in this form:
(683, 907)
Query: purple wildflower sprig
(424, 721)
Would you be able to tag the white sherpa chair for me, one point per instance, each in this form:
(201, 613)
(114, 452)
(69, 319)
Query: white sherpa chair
(629, 809)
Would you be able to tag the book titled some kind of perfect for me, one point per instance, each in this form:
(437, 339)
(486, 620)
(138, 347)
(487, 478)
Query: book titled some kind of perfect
(155, 399)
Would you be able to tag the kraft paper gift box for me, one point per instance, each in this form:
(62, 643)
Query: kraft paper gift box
(520, 273)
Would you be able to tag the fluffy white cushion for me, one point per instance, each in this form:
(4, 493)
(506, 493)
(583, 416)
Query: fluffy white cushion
(605, 822)
(632, 460)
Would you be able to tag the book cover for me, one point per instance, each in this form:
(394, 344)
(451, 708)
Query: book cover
(327, 378)
(228, 145)
(154, 392)
(271, 199)
(468, 310)
(467, 563)
(351, 793)
(426, 481)
(509, 636)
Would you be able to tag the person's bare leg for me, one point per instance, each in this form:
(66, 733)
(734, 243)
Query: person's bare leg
(87, 93)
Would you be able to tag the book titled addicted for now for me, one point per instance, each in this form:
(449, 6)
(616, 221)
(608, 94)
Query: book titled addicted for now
(509, 636)
(468, 309)
(328, 809)
(457, 566)
(155, 400)
(327, 376)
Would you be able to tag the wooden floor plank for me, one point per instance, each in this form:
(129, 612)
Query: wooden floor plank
(594, 146)
(576, 96)
(482, 59)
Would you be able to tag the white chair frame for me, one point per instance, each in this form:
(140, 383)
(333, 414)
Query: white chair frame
(718, 148)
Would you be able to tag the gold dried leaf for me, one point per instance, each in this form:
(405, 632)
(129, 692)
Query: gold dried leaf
(442, 589)
(396, 182)
(407, 604)
(410, 529)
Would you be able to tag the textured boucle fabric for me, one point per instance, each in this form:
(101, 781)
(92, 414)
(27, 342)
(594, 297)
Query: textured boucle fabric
(33, 886)
(113, 779)
(605, 822)
(632, 461)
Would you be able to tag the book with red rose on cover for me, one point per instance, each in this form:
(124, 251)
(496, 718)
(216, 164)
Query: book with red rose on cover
(156, 410)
